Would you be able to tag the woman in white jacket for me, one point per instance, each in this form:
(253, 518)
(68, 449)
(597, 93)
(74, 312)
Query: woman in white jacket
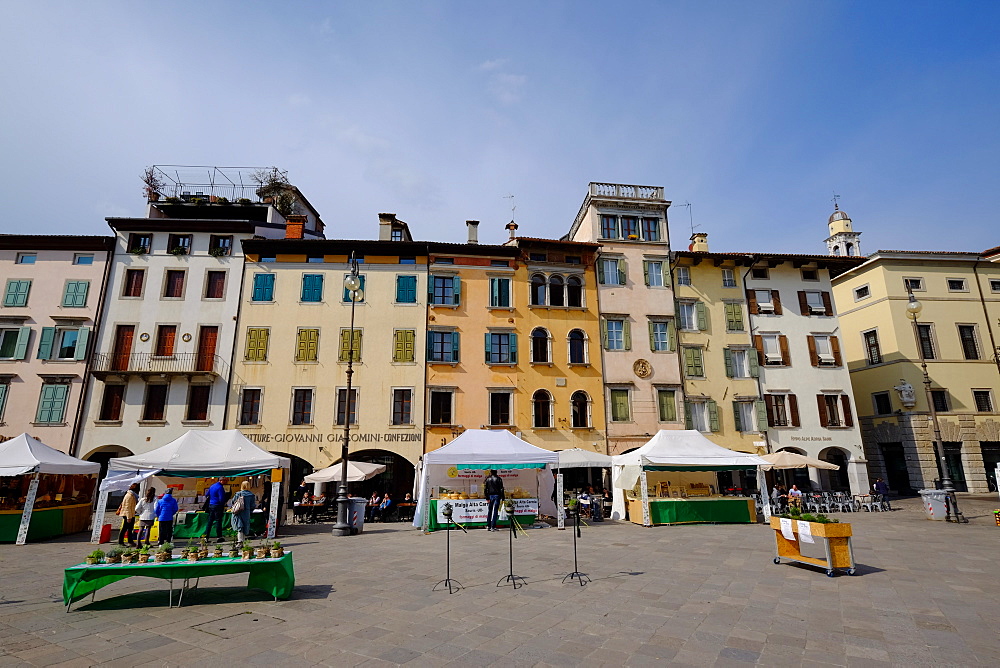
(145, 510)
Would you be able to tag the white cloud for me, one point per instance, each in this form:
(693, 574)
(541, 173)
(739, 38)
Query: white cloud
(508, 88)
(494, 64)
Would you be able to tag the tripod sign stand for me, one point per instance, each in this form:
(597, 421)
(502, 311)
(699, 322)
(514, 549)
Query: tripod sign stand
(574, 509)
(451, 584)
(511, 578)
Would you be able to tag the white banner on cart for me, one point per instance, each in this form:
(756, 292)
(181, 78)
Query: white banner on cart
(474, 510)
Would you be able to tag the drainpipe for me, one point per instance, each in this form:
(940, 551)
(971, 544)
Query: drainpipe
(236, 334)
(986, 314)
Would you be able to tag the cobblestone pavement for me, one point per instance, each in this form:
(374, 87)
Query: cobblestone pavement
(926, 593)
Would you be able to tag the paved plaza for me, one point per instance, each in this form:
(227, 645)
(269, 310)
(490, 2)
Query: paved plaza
(926, 593)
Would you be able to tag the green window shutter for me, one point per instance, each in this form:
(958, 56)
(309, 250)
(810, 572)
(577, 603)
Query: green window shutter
(21, 347)
(619, 405)
(600, 272)
(761, 415)
(17, 293)
(736, 416)
(430, 289)
(622, 271)
(52, 404)
(652, 335)
(455, 346)
(76, 293)
(667, 405)
(430, 345)
(713, 415)
(737, 317)
(513, 347)
(488, 347)
(699, 308)
(627, 334)
(698, 362)
(671, 335)
(730, 317)
(456, 286)
(645, 271)
(604, 333)
(754, 364)
(688, 422)
(3, 397)
(689, 362)
(81, 343)
(494, 292)
(727, 354)
(45, 342)
(406, 289)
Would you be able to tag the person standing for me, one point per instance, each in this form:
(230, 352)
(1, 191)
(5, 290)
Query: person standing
(493, 488)
(243, 504)
(146, 510)
(882, 489)
(165, 510)
(127, 512)
(216, 508)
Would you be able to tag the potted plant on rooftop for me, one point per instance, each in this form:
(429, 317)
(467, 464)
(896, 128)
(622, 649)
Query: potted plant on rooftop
(153, 184)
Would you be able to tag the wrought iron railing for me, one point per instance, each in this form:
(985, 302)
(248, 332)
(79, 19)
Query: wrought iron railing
(150, 363)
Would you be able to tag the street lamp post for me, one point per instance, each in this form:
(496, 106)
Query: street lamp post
(353, 286)
(913, 309)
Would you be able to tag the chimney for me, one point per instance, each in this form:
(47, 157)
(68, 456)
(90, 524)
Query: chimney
(385, 222)
(473, 226)
(512, 229)
(295, 226)
(699, 242)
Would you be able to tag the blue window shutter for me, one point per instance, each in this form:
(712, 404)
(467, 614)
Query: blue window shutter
(513, 347)
(406, 289)
(263, 287)
(45, 342)
(430, 289)
(456, 286)
(454, 346)
(21, 347)
(81, 343)
(312, 287)
(488, 347)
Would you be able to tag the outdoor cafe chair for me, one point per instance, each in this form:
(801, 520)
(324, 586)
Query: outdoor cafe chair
(869, 503)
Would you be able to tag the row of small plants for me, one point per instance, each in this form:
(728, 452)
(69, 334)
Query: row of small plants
(163, 553)
(795, 513)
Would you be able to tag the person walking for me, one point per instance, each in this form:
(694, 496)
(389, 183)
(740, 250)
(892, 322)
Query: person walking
(881, 487)
(216, 509)
(243, 504)
(127, 512)
(146, 510)
(165, 510)
(493, 488)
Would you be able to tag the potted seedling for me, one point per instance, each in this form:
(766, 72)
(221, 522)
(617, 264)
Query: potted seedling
(128, 556)
(234, 550)
(203, 548)
(217, 252)
(95, 557)
(179, 250)
(192, 551)
(164, 553)
(263, 551)
(247, 551)
(277, 551)
(115, 555)
(218, 551)
(144, 555)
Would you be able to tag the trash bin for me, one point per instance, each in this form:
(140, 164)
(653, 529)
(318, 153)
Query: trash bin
(357, 514)
(935, 503)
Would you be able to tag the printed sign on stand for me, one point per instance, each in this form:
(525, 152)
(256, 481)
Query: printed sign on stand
(465, 511)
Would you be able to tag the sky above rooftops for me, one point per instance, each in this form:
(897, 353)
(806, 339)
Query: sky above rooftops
(755, 113)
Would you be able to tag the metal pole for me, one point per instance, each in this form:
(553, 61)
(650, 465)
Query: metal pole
(342, 527)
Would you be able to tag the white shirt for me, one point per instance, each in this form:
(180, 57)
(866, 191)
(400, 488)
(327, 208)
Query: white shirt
(145, 510)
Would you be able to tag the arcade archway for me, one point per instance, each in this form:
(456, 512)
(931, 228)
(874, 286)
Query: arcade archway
(835, 480)
(397, 478)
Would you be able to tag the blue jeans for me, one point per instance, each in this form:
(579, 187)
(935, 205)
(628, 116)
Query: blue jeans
(492, 510)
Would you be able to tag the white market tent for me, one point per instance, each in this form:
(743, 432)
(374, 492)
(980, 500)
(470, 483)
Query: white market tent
(22, 455)
(672, 450)
(783, 459)
(575, 458)
(485, 449)
(356, 472)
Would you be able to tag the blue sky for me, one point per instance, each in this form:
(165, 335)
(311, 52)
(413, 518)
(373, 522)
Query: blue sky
(754, 112)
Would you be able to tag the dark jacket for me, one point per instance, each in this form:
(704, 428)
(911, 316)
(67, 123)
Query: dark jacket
(166, 508)
(493, 486)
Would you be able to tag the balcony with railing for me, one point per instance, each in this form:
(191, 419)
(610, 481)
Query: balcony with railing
(147, 364)
(193, 183)
(620, 191)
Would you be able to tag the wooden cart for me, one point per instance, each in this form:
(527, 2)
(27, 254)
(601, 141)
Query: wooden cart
(836, 539)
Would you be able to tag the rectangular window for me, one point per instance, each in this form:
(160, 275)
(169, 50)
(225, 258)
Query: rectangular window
(500, 408)
(882, 403)
(26, 258)
(215, 285)
(739, 363)
(342, 406)
(666, 404)
(611, 271)
(694, 363)
(312, 288)
(173, 284)
(14, 343)
(197, 408)
(52, 403)
(307, 345)
(984, 400)
(773, 349)
(132, 285)
(442, 346)
(653, 273)
(406, 289)
(834, 410)
(250, 406)
(630, 227)
(402, 406)
(913, 284)
(499, 292)
(734, 317)
(538, 257)
(824, 350)
(651, 229)
(698, 416)
(220, 245)
(444, 260)
(813, 302)
(407, 259)
(440, 406)
(263, 288)
(728, 278)
(501, 348)
(759, 273)
(688, 316)
(777, 409)
(764, 302)
(111, 403)
(609, 227)
(83, 258)
(620, 408)
(614, 338)
(17, 292)
(347, 296)
(957, 285)
(140, 243)
(75, 295)
(970, 347)
(445, 290)
(862, 292)
(940, 399)
(660, 339)
(302, 401)
(404, 345)
(872, 349)
(66, 344)
(745, 414)
(257, 338)
(683, 276)
(995, 285)
(350, 349)
(153, 410)
(166, 337)
(179, 244)
(267, 259)
(925, 336)
(810, 275)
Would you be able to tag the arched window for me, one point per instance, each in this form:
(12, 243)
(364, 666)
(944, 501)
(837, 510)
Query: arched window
(849, 248)
(542, 406)
(556, 294)
(577, 347)
(581, 409)
(538, 290)
(540, 353)
(574, 292)
(836, 250)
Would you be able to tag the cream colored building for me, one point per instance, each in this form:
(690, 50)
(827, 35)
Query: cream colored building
(958, 332)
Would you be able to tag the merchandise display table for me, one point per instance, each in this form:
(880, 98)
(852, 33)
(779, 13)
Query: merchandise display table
(45, 522)
(715, 510)
(196, 523)
(275, 576)
(472, 513)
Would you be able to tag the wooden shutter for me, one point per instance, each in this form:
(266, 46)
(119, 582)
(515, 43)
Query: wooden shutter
(786, 358)
(17, 293)
(835, 348)
(752, 302)
(713, 415)
(824, 417)
(604, 333)
(627, 334)
(455, 346)
(357, 344)
(488, 347)
(645, 271)
(793, 409)
(81, 343)
(727, 355)
(667, 405)
(776, 301)
(76, 293)
(600, 271)
(52, 406)
(257, 344)
(758, 343)
(622, 271)
(813, 355)
(688, 422)
(845, 401)
(307, 346)
(345, 344)
(762, 419)
(769, 408)
(512, 338)
(456, 290)
(736, 416)
(45, 342)
(652, 335)
(21, 346)
(671, 335)
(403, 345)
(827, 303)
(803, 303)
(699, 308)
(734, 317)
(754, 366)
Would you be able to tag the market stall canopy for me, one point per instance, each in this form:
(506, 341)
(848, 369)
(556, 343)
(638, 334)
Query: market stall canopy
(198, 454)
(576, 458)
(488, 448)
(687, 450)
(783, 459)
(356, 472)
(24, 454)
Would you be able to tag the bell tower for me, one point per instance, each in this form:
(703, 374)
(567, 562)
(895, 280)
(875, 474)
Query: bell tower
(843, 240)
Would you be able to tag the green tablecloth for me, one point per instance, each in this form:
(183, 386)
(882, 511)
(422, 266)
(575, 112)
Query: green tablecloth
(681, 511)
(276, 576)
(434, 525)
(196, 523)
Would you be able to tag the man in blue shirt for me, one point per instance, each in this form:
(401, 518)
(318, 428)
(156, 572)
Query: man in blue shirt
(216, 508)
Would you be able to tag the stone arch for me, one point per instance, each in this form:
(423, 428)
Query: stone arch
(835, 480)
(988, 431)
(105, 453)
(886, 432)
(397, 479)
(950, 431)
